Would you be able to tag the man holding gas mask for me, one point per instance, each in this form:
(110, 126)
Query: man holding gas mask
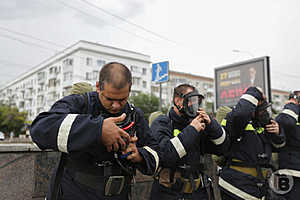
(184, 135)
(288, 175)
(253, 134)
(103, 137)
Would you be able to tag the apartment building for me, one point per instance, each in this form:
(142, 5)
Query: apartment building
(279, 98)
(36, 90)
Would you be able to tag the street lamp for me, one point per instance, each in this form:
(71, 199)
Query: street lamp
(240, 51)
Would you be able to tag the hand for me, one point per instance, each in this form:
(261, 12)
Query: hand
(134, 155)
(273, 127)
(198, 123)
(204, 115)
(112, 134)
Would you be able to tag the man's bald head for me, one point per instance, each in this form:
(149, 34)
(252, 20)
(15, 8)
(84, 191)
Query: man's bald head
(116, 74)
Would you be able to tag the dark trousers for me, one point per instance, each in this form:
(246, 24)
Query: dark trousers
(71, 190)
(160, 192)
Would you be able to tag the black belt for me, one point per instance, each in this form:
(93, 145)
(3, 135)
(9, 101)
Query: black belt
(103, 168)
(99, 180)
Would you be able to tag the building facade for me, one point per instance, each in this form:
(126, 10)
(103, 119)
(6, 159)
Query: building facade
(36, 90)
(279, 98)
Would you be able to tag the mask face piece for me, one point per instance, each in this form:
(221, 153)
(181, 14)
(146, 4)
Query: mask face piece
(262, 116)
(191, 104)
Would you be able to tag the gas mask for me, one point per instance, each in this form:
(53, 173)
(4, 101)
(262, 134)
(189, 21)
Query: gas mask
(191, 104)
(262, 116)
(129, 124)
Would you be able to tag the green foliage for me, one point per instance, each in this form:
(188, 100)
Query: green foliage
(11, 119)
(148, 103)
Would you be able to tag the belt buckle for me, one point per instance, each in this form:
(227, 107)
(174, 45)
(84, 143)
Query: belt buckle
(187, 186)
(114, 185)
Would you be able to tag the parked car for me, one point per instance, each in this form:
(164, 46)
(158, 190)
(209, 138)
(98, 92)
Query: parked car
(2, 137)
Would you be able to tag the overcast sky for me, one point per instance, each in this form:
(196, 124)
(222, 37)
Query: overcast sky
(194, 35)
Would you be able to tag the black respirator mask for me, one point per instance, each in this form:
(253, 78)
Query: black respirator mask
(129, 124)
(191, 104)
(262, 116)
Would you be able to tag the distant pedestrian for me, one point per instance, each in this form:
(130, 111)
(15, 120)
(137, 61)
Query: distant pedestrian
(11, 135)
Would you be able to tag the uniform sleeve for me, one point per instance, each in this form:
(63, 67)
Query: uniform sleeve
(172, 149)
(242, 113)
(147, 146)
(217, 139)
(288, 117)
(287, 121)
(63, 129)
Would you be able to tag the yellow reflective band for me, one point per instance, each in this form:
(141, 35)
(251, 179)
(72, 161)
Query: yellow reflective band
(260, 130)
(176, 132)
(249, 127)
(223, 122)
(297, 124)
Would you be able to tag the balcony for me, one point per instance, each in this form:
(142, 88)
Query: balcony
(29, 86)
(28, 96)
(52, 89)
(53, 75)
(41, 80)
(67, 68)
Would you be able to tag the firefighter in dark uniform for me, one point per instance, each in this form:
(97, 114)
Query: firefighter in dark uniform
(99, 152)
(252, 135)
(184, 135)
(289, 156)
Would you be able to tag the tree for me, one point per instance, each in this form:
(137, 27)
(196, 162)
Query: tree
(11, 119)
(148, 103)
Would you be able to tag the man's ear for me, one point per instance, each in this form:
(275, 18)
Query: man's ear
(97, 87)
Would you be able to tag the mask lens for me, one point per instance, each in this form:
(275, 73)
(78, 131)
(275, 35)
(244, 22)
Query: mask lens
(193, 105)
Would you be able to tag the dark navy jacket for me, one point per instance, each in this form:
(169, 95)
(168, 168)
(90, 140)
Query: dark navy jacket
(189, 145)
(247, 142)
(66, 128)
(289, 156)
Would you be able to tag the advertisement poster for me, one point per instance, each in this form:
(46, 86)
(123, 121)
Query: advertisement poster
(233, 80)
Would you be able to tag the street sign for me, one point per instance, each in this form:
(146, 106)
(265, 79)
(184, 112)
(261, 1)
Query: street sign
(160, 72)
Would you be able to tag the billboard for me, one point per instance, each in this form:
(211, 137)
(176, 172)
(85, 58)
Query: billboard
(232, 81)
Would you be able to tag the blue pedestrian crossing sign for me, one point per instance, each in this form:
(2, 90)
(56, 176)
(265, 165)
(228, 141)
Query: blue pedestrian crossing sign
(160, 72)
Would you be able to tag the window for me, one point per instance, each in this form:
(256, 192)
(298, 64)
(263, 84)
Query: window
(89, 61)
(144, 71)
(154, 89)
(68, 61)
(100, 63)
(95, 75)
(53, 70)
(88, 76)
(68, 76)
(134, 68)
(52, 83)
(144, 84)
(41, 76)
(136, 81)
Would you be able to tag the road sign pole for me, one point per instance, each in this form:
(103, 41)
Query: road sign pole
(160, 99)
